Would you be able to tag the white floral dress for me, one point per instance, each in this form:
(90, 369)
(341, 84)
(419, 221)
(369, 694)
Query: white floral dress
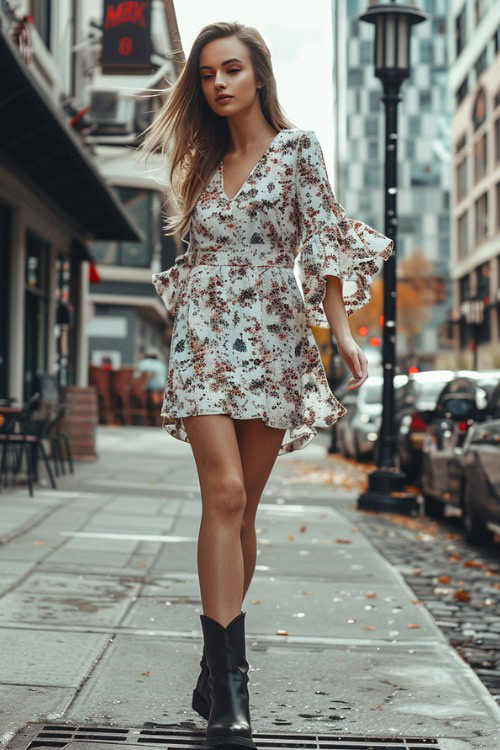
(241, 341)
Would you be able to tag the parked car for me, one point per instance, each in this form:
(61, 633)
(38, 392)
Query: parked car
(479, 460)
(357, 431)
(463, 402)
(415, 402)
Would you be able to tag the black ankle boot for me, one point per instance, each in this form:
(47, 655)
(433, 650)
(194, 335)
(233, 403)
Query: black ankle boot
(201, 694)
(229, 719)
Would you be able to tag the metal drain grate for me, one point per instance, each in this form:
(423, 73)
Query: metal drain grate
(167, 736)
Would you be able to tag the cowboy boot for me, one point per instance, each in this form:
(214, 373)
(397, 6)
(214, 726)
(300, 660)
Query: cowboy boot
(201, 694)
(229, 719)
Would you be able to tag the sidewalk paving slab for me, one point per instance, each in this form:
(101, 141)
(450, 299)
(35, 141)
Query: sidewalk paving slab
(99, 615)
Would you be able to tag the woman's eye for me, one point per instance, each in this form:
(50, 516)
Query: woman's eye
(233, 70)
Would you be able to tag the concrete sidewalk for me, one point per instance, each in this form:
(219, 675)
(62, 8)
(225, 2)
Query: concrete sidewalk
(100, 604)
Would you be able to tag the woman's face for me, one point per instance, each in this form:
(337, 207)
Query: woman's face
(225, 68)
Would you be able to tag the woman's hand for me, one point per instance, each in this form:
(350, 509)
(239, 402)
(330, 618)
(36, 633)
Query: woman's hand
(355, 360)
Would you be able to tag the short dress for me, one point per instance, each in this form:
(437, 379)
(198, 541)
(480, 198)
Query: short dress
(241, 341)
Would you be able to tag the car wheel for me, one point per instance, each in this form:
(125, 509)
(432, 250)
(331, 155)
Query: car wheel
(476, 531)
(432, 507)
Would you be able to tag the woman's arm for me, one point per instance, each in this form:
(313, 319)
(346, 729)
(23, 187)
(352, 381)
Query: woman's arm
(349, 350)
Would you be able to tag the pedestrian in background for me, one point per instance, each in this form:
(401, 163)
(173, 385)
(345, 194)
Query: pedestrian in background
(157, 369)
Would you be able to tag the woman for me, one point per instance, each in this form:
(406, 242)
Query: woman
(246, 382)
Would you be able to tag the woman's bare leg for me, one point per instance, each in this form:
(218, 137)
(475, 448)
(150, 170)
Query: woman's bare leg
(259, 445)
(220, 557)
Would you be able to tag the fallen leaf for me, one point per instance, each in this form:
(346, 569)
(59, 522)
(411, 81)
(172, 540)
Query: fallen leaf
(303, 528)
(146, 674)
(473, 564)
(255, 601)
(291, 538)
(368, 627)
(282, 632)
(444, 579)
(370, 594)
(343, 541)
(412, 625)
(462, 596)
(38, 542)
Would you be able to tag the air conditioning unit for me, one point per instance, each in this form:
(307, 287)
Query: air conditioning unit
(111, 112)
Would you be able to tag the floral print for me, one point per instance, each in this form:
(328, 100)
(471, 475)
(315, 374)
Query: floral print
(241, 342)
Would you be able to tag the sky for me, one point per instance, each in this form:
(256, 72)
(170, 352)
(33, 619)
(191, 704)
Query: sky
(299, 37)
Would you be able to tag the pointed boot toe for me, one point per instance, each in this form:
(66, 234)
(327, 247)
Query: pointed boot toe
(229, 719)
(201, 694)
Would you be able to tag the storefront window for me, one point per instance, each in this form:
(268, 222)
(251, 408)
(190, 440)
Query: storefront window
(36, 311)
(66, 294)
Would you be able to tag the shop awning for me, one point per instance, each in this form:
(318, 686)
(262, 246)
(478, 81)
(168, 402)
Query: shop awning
(36, 141)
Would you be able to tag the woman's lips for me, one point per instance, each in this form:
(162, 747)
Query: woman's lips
(224, 99)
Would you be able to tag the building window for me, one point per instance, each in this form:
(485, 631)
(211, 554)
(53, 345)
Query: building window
(410, 149)
(406, 224)
(462, 90)
(439, 25)
(481, 208)
(479, 108)
(426, 51)
(355, 77)
(139, 205)
(373, 150)
(462, 233)
(483, 280)
(41, 11)
(460, 143)
(374, 101)
(366, 52)
(371, 126)
(460, 31)
(479, 10)
(425, 101)
(415, 125)
(481, 63)
(480, 158)
(372, 175)
(462, 179)
(424, 174)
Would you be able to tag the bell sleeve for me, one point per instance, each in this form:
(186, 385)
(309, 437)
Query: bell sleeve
(170, 284)
(331, 244)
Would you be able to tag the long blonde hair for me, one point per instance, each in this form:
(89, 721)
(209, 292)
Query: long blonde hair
(190, 135)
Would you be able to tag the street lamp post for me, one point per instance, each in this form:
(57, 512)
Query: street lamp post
(386, 485)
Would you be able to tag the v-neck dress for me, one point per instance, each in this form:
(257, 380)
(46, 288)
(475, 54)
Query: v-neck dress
(241, 340)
